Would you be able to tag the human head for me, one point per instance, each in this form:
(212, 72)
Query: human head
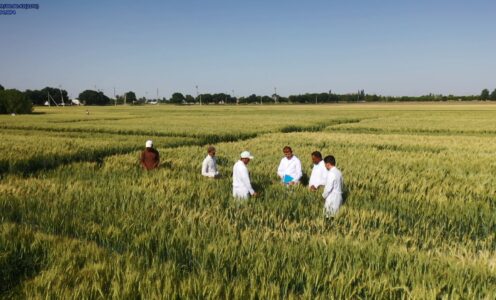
(330, 162)
(288, 152)
(246, 157)
(149, 144)
(316, 157)
(211, 151)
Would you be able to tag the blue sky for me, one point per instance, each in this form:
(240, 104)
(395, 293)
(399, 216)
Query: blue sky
(382, 46)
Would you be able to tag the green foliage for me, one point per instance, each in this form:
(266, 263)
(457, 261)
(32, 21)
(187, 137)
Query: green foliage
(14, 101)
(189, 99)
(80, 219)
(130, 97)
(484, 94)
(1, 87)
(493, 95)
(89, 97)
(39, 97)
(177, 98)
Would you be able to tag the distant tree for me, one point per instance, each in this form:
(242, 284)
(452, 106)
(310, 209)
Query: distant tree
(119, 99)
(90, 97)
(373, 98)
(252, 99)
(205, 99)
(484, 94)
(1, 87)
(14, 101)
(190, 99)
(220, 98)
(37, 97)
(177, 98)
(493, 95)
(130, 97)
(266, 99)
(58, 95)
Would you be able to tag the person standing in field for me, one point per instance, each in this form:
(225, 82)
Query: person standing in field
(289, 169)
(150, 159)
(241, 179)
(333, 190)
(209, 165)
(319, 172)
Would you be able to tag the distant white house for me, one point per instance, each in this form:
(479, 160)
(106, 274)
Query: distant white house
(151, 102)
(76, 102)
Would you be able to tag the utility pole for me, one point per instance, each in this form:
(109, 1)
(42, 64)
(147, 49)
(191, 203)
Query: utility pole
(115, 99)
(315, 98)
(61, 97)
(51, 98)
(275, 95)
(198, 95)
(158, 101)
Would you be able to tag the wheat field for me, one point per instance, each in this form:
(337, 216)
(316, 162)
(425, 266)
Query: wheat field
(81, 220)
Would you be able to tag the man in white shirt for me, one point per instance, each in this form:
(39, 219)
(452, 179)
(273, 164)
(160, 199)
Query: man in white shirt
(289, 169)
(333, 191)
(319, 172)
(209, 165)
(241, 179)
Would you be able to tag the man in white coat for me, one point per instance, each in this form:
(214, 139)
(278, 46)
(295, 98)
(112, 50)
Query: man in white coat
(209, 165)
(289, 169)
(333, 191)
(241, 179)
(319, 172)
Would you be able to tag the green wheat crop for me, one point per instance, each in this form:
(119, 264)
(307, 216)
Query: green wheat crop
(80, 219)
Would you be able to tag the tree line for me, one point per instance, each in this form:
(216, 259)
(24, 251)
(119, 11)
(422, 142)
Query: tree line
(13, 101)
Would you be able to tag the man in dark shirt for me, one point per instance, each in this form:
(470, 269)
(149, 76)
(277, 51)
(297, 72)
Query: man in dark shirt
(150, 159)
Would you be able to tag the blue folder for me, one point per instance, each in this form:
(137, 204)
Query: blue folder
(287, 179)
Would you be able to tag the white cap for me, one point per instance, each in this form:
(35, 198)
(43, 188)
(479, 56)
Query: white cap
(246, 154)
(149, 144)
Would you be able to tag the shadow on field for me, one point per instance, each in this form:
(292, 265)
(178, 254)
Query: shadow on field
(167, 164)
(317, 127)
(21, 259)
(39, 163)
(346, 194)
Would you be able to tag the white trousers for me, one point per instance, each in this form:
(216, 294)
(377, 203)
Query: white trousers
(332, 204)
(241, 193)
